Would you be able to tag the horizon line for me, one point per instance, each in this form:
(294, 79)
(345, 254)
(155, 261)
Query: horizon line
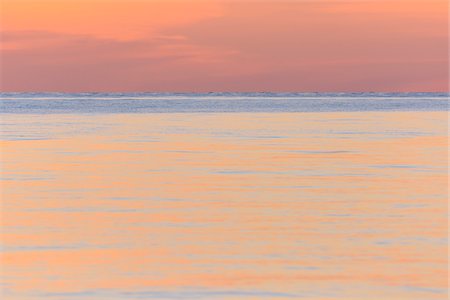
(227, 92)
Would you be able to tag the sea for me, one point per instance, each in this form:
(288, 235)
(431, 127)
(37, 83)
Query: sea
(224, 196)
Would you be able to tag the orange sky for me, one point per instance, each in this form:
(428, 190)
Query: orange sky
(146, 45)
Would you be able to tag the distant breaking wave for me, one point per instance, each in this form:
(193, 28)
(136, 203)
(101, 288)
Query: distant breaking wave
(72, 103)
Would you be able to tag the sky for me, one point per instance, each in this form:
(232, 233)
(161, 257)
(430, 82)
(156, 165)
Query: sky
(223, 45)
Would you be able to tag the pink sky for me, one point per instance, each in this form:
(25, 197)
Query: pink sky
(195, 46)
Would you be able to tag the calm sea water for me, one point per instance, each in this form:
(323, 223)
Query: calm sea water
(224, 196)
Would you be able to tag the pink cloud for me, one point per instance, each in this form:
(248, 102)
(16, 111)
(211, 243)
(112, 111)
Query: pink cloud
(271, 46)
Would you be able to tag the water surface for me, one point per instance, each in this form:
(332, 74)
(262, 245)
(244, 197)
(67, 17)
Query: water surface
(239, 196)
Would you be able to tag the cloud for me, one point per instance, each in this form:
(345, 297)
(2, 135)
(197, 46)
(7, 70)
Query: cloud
(232, 46)
(115, 19)
(46, 61)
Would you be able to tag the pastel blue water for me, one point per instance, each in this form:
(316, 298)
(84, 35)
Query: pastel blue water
(110, 103)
